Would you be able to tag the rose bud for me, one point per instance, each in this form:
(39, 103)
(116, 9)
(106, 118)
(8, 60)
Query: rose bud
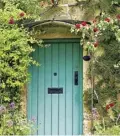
(22, 14)
(77, 26)
(96, 44)
(107, 19)
(118, 17)
(11, 21)
(111, 104)
(83, 23)
(95, 29)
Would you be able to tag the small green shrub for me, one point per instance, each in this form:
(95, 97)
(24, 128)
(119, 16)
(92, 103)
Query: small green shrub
(114, 130)
(15, 49)
(13, 122)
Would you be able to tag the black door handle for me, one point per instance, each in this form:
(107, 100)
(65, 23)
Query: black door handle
(76, 78)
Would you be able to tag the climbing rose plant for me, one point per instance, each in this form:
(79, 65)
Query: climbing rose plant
(104, 69)
(92, 35)
(15, 50)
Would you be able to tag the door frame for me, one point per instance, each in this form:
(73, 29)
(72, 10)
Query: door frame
(72, 40)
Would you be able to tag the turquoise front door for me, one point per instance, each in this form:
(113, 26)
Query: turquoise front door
(55, 90)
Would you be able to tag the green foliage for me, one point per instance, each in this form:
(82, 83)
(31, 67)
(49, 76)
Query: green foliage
(101, 40)
(107, 72)
(114, 130)
(13, 122)
(31, 7)
(98, 31)
(14, 57)
(15, 49)
(100, 6)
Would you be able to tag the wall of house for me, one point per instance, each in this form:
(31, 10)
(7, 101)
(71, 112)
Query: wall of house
(52, 30)
(66, 9)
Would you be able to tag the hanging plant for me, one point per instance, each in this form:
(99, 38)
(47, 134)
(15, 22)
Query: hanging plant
(86, 58)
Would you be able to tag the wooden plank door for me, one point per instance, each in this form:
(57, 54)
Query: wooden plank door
(61, 67)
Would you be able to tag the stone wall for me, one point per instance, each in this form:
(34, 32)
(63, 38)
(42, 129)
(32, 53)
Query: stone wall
(66, 9)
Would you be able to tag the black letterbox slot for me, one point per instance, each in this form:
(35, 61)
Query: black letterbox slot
(55, 90)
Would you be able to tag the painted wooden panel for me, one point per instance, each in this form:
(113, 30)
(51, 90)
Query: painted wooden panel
(47, 84)
(76, 93)
(34, 92)
(57, 114)
(62, 104)
(55, 84)
(69, 89)
(41, 93)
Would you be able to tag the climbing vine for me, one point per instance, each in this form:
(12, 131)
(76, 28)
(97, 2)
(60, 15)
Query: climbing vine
(15, 49)
(98, 31)
(101, 41)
